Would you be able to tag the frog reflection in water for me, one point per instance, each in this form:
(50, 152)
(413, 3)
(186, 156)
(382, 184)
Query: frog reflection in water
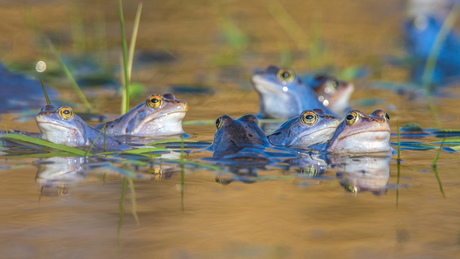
(361, 133)
(362, 173)
(62, 126)
(234, 135)
(56, 175)
(310, 128)
(158, 116)
(333, 93)
(283, 95)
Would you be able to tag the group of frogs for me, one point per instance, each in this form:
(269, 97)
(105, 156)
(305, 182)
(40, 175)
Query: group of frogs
(313, 109)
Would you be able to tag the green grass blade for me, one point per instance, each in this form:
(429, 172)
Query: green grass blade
(41, 142)
(437, 154)
(97, 137)
(44, 92)
(125, 92)
(132, 44)
(73, 83)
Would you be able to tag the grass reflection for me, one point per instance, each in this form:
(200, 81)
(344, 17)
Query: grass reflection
(434, 165)
(122, 208)
(182, 174)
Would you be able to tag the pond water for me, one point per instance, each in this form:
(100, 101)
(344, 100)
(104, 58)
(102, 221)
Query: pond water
(205, 52)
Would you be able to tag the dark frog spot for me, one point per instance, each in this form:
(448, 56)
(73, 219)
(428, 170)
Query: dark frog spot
(141, 116)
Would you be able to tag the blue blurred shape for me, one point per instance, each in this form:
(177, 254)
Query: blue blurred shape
(420, 33)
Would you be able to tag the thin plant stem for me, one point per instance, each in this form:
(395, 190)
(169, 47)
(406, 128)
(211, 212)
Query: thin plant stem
(439, 181)
(439, 151)
(122, 208)
(44, 92)
(132, 44)
(125, 93)
(73, 83)
(97, 137)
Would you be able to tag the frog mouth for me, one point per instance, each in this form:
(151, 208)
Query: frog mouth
(265, 86)
(172, 114)
(45, 125)
(364, 132)
(321, 131)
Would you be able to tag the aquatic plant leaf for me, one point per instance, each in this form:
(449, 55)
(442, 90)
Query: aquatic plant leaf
(41, 142)
(446, 133)
(452, 141)
(414, 145)
(448, 149)
(455, 147)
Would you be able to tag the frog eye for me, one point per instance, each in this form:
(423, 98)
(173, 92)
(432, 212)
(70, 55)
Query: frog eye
(381, 114)
(154, 101)
(331, 86)
(387, 117)
(65, 112)
(309, 117)
(351, 118)
(218, 122)
(285, 75)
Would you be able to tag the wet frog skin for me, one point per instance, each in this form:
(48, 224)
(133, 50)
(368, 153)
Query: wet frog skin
(309, 128)
(158, 116)
(62, 126)
(361, 133)
(283, 95)
(333, 93)
(234, 135)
